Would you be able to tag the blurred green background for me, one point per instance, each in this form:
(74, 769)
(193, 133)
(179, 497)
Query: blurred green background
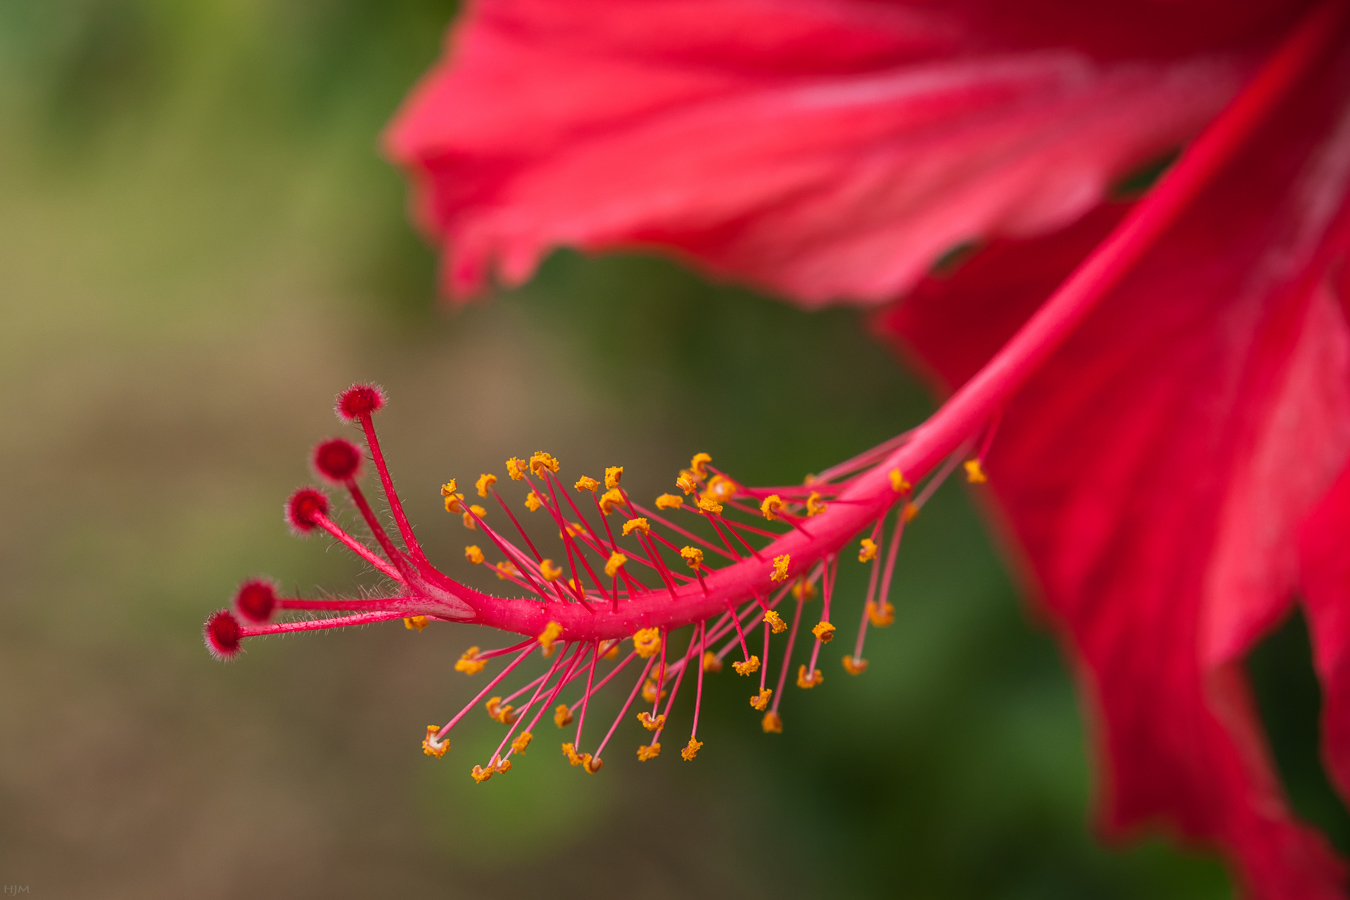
(199, 245)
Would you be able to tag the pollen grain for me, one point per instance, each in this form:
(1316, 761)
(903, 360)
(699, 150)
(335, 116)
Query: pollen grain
(549, 636)
(433, 746)
(469, 663)
(806, 681)
(647, 641)
(748, 667)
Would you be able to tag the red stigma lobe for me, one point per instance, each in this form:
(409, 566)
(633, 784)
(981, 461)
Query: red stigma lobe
(359, 400)
(256, 600)
(304, 509)
(337, 460)
(223, 635)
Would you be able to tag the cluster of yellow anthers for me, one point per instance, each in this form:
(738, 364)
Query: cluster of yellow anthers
(708, 564)
(713, 497)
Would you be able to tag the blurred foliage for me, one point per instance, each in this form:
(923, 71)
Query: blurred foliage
(199, 246)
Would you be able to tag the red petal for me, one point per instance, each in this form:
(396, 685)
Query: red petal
(1157, 470)
(824, 150)
(1325, 555)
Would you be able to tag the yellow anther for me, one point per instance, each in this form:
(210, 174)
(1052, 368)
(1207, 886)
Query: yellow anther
(722, 488)
(748, 667)
(575, 586)
(855, 665)
(612, 652)
(772, 723)
(503, 765)
(570, 751)
(469, 516)
(814, 505)
(808, 681)
(587, 483)
(804, 591)
(691, 749)
(484, 482)
(506, 570)
(808, 479)
(650, 722)
(899, 482)
(532, 501)
(469, 663)
(649, 751)
(612, 476)
(780, 568)
(415, 623)
(761, 700)
(615, 562)
(770, 507)
(516, 468)
(868, 551)
(573, 530)
(698, 465)
(686, 483)
(433, 746)
(692, 556)
(450, 487)
(824, 632)
(669, 501)
(473, 554)
(521, 742)
(590, 764)
(481, 774)
(502, 713)
(562, 716)
(609, 500)
(649, 691)
(709, 505)
(776, 623)
(880, 614)
(638, 524)
(453, 502)
(647, 641)
(711, 663)
(549, 570)
(541, 461)
(549, 636)
(911, 510)
(975, 474)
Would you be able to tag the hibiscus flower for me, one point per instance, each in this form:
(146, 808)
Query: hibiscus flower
(1162, 438)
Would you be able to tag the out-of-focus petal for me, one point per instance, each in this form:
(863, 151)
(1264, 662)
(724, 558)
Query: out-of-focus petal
(1325, 555)
(826, 151)
(1156, 472)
